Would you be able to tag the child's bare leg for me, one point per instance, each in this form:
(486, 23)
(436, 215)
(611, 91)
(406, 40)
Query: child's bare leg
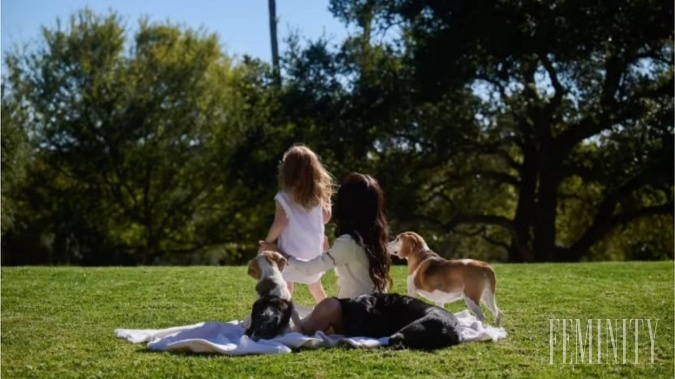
(290, 286)
(316, 289)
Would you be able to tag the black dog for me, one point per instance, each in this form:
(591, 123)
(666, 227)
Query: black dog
(270, 317)
(409, 322)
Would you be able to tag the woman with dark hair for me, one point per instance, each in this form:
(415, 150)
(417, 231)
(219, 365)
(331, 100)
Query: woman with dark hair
(361, 229)
(358, 254)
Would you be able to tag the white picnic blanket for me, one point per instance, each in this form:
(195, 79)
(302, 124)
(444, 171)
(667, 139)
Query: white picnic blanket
(228, 338)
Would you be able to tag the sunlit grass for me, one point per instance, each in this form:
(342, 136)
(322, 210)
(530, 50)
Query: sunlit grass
(59, 322)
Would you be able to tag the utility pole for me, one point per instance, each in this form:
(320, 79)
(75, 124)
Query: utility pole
(275, 45)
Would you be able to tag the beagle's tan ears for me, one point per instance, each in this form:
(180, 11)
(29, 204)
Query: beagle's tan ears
(278, 259)
(271, 257)
(254, 269)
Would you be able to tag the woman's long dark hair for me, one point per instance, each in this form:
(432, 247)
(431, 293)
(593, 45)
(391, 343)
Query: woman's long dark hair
(359, 212)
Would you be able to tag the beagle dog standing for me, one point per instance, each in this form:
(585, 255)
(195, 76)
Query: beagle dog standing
(443, 281)
(272, 311)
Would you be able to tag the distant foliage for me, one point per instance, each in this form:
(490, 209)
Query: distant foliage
(516, 131)
(15, 159)
(133, 147)
(531, 131)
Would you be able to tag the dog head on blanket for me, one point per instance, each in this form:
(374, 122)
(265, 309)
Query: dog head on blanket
(270, 317)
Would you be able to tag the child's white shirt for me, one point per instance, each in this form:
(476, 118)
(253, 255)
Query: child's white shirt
(302, 237)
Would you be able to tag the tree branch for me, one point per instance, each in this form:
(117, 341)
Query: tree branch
(605, 218)
(481, 232)
(553, 76)
(504, 222)
(501, 177)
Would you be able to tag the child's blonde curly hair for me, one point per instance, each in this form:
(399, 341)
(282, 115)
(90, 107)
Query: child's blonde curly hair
(303, 177)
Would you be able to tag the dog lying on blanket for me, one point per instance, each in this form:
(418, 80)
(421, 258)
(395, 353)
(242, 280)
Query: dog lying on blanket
(270, 317)
(272, 311)
(407, 321)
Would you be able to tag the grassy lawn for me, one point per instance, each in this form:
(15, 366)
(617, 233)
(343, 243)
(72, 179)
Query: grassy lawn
(59, 322)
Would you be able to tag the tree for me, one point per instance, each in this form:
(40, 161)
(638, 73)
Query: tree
(521, 131)
(15, 158)
(134, 147)
(559, 92)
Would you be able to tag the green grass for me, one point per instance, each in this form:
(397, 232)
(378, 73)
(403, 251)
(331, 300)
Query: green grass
(59, 322)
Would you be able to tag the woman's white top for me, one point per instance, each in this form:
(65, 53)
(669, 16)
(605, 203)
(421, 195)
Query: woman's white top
(351, 267)
(302, 237)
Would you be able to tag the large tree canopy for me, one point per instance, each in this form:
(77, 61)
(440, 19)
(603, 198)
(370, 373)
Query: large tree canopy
(516, 130)
(570, 134)
(132, 146)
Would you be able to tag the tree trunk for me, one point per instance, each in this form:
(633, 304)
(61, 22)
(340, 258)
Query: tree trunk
(520, 249)
(544, 243)
(150, 251)
(544, 222)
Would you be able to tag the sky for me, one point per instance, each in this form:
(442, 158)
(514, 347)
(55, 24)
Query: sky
(242, 25)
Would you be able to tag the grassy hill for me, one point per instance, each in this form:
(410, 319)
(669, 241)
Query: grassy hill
(59, 322)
